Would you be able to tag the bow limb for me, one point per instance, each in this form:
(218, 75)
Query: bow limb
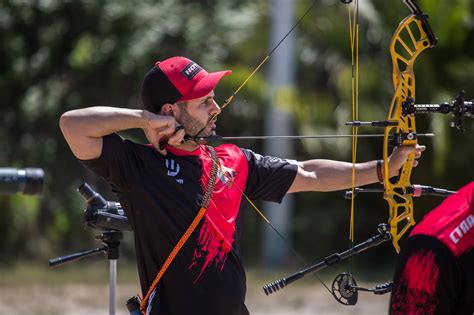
(412, 36)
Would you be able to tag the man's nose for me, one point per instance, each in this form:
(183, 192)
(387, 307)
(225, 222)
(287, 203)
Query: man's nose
(215, 108)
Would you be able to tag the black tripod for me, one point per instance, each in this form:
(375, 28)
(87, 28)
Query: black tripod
(111, 241)
(109, 217)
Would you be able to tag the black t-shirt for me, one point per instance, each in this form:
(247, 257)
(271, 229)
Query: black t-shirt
(161, 196)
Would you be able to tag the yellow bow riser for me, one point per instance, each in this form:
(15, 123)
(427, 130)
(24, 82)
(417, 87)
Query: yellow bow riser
(408, 41)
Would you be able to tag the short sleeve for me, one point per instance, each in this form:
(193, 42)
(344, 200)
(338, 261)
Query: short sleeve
(113, 163)
(269, 178)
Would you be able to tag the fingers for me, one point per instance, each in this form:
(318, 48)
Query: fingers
(161, 125)
(413, 149)
(420, 148)
(416, 150)
(166, 131)
(163, 130)
(160, 148)
(400, 155)
(177, 138)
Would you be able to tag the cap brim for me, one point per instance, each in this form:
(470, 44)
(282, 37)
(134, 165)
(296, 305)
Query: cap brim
(205, 85)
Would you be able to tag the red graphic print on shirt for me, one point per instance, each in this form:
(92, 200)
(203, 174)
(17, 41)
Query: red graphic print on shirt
(216, 236)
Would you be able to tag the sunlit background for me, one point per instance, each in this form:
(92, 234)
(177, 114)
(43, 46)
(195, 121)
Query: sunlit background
(61, 55)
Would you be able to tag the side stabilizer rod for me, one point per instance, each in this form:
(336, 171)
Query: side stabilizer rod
(383, 236)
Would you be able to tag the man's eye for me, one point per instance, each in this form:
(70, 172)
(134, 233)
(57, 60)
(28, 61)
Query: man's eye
(207, 102)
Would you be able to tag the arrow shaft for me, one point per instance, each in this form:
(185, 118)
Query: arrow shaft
(302, 137)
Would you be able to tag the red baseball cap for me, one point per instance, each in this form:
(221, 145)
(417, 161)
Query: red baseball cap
(177, 79)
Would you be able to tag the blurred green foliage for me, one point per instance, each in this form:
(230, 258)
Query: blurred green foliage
(60, 55)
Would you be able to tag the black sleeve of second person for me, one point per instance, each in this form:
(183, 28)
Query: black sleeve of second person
(427, 278)
(269, 177)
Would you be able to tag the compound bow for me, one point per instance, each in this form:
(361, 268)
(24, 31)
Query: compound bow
(413, 36)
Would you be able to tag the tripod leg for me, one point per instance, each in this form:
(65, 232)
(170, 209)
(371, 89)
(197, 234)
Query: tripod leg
(112, 286)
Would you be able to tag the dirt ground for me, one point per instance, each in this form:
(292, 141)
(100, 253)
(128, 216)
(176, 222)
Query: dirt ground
(89, 299)
(43, 292)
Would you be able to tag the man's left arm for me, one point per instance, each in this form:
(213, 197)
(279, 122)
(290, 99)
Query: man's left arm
(329, 175)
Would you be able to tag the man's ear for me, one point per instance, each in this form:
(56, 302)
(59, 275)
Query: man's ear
(167, 109)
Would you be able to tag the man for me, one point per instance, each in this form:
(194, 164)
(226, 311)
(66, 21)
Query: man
(161, 186)
(435, 269)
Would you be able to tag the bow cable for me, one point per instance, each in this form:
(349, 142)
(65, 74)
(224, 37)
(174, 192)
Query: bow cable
(354, 45)
(264, 60)
(284, 239)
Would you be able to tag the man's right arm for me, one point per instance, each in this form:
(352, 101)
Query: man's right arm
(84, 128)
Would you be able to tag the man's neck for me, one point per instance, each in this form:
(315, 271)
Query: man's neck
(188, 146)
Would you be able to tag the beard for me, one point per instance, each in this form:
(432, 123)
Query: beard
(193, 126)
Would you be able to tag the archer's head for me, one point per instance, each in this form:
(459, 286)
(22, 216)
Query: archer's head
(177, 79)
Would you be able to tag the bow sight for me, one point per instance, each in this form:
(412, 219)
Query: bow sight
(459, 109)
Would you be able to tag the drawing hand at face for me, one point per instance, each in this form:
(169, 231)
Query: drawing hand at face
(163, 129)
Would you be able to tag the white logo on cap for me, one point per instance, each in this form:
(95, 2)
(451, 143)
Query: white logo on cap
(191, 70)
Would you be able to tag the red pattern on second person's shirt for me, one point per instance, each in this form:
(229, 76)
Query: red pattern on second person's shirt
(416, 291)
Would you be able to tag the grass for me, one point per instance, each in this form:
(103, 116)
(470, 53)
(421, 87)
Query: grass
(81, 288)
(96, 272)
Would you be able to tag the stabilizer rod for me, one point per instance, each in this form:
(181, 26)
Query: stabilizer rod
(383, 236)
